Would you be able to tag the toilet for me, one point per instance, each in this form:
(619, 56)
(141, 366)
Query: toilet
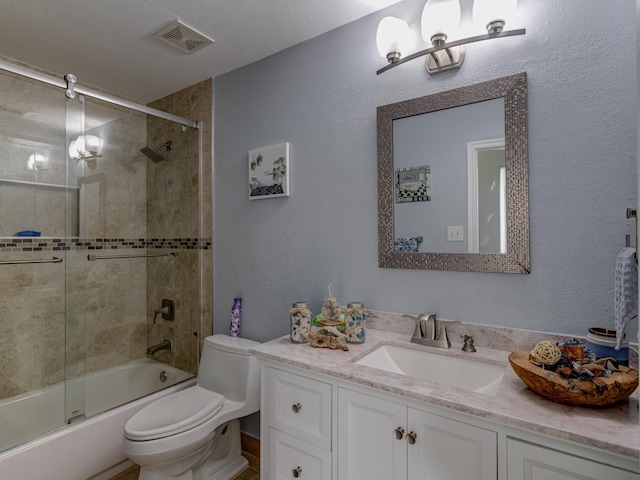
(194, 434)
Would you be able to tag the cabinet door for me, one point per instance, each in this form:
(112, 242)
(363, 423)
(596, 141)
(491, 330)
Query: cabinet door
(531, 462)
(367, 445)
(445, 449)
(292, 458)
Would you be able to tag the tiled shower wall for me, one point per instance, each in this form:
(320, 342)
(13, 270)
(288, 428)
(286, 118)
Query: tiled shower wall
(195, 287)
(129, 204)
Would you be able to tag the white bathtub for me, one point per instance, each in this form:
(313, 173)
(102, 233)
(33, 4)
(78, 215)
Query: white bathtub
(90, 448)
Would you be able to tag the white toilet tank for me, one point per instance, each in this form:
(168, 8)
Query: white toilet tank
(227, 368)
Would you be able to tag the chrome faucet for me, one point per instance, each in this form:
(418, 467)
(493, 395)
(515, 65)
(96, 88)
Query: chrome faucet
(431, 331)
(166, 344)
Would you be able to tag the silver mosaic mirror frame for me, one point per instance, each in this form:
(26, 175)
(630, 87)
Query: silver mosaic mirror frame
(513, 89)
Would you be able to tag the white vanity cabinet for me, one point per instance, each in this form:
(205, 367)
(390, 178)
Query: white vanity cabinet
(375, 437)
(382, 439)
(316, 426)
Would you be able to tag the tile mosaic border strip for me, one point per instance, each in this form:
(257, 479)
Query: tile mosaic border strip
(37, 244)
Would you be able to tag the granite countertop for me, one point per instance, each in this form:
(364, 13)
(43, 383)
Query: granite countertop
(614, 429)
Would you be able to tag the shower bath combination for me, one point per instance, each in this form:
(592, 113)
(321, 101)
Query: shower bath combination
(91, 208)
(153, 153)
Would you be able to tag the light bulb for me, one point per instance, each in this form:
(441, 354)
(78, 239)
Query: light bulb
(392, 38)
(73, 150)
(440, 19)
(494, 14)
(92, 143)
(83, 146)
(80, 146)
(37, 161)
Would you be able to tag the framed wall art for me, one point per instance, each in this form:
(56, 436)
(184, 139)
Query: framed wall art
(269, 172)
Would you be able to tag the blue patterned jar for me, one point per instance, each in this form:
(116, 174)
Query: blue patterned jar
(300, 317)
(355, 320)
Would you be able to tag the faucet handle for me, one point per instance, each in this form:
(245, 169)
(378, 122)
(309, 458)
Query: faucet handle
(468, 343)
(425, 326)
(442, 334)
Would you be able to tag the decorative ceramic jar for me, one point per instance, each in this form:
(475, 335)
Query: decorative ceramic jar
(355, 320)
(300, 316)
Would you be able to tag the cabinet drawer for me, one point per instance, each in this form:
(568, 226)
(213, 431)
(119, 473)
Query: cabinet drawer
(300, 407)
(291, 458)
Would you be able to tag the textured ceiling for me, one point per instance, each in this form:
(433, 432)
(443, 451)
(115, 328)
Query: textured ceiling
(109, 44)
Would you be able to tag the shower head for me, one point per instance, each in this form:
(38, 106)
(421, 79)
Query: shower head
(153, 154)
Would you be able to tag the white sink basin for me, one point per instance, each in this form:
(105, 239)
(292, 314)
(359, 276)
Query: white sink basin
(468, 374)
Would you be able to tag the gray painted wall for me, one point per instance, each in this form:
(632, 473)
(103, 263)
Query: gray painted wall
(321, 97)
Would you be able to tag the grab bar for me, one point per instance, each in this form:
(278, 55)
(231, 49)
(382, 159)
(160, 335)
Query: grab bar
(40, 260)
(91, 258)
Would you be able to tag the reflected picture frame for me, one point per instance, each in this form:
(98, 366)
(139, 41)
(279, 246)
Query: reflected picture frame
(413, 184)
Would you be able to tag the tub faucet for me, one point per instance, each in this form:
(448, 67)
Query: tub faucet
(430, 331)
(166, 344)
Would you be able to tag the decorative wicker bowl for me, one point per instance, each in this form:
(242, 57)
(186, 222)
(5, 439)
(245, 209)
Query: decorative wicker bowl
(598, 392)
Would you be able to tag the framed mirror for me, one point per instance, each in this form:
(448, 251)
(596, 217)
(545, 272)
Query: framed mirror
(453, 180)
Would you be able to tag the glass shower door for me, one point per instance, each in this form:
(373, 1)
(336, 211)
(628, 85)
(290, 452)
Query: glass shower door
(75, 298)
(33, 195)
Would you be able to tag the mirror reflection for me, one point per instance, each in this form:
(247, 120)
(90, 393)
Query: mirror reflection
(453, 180)
(463, 150)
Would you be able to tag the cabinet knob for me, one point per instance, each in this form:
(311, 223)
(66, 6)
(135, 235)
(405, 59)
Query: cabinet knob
(411, 438)
(398, 433)
(296, 472)
(296, 407)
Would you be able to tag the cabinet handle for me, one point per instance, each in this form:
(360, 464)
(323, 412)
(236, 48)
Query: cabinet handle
(411, 438)
(296, 472)
(296, 407)
(398, 433)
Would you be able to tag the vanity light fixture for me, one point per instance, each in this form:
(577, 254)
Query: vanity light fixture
(85, 147)
(440, 21)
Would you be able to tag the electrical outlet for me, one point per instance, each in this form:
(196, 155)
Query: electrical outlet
(455, 234)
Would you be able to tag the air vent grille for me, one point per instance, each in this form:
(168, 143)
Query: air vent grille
(183, 37)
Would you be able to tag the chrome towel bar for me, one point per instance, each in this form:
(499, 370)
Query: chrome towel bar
(39, 260)
(91, 258)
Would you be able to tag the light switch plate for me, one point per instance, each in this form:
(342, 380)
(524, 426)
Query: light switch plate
(455, 234)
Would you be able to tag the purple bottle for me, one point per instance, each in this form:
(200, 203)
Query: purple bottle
(236, 313)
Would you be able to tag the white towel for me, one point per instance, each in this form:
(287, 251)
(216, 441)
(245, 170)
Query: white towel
(625, 292)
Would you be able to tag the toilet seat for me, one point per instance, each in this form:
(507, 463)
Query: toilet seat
(164, 418)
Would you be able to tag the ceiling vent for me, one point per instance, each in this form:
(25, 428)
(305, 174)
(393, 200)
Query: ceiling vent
(183, 37)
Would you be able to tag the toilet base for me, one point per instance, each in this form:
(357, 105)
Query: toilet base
(229, 471)
(222, 459)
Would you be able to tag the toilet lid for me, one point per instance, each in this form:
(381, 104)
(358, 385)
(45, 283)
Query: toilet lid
(173, 414)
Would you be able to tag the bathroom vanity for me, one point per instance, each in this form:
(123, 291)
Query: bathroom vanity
(325, 416)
